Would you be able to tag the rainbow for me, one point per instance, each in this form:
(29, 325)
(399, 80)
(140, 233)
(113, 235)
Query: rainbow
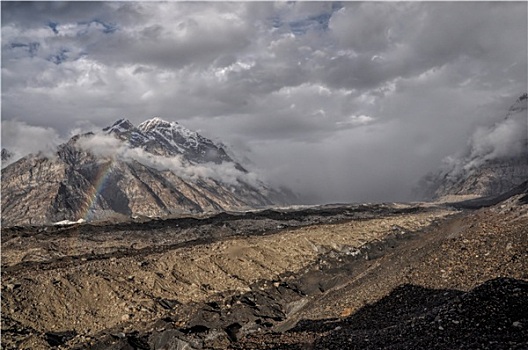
(88, 209)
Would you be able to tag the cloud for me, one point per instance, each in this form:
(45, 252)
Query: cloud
(260, 74)
(108, 146)
(21, 139)
(506, 138)
(357, 120)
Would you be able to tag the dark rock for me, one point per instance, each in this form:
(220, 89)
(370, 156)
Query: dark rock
(171, 339)
(199, 328)
(232, 331)
(417, 317)
(168, 304)
(137, 341)
(59, 338)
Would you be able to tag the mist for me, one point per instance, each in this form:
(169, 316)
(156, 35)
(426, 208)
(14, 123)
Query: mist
(106, 146)
(506, 137)
(21, 139)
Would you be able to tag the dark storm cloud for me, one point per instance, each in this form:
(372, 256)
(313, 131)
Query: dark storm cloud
(388, 41)
(341, 101)
(34, 14)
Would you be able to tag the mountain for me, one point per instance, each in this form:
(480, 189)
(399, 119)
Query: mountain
(494, 162)
(167, 139)
(155, 169)
(6, 155)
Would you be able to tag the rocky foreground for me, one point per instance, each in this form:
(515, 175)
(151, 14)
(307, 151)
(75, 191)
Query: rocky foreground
(357, 276)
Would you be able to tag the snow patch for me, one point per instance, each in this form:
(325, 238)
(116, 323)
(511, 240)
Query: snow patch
(68, 222)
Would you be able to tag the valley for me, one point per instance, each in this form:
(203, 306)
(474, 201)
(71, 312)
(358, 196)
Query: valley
(154, 237)
(247, 280)
(264, 175)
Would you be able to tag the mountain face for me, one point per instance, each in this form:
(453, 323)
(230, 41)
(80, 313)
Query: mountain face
(167, 139)
(495, 161)
(157, 168)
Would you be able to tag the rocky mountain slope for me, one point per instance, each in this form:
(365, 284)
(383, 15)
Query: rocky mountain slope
(495, 161)
(167, 139)
(158, 168)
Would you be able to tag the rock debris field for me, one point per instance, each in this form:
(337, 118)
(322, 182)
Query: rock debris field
(376, 276)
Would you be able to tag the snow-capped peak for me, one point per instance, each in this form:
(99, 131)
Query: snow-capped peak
(161, 137)
(155, 123)
(171, 132)
(121, 125)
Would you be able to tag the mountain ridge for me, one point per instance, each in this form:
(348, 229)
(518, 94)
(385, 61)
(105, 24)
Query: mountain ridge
(156, 169)
(161, 137)
(494, 161)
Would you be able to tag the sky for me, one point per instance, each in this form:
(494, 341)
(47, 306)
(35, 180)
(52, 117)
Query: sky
(339, 101)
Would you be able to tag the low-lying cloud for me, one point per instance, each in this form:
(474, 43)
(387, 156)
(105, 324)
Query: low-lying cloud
(21, 139)
(108, 146)
(506, 138)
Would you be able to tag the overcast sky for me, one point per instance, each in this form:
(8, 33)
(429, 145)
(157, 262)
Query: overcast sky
(341, 102)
